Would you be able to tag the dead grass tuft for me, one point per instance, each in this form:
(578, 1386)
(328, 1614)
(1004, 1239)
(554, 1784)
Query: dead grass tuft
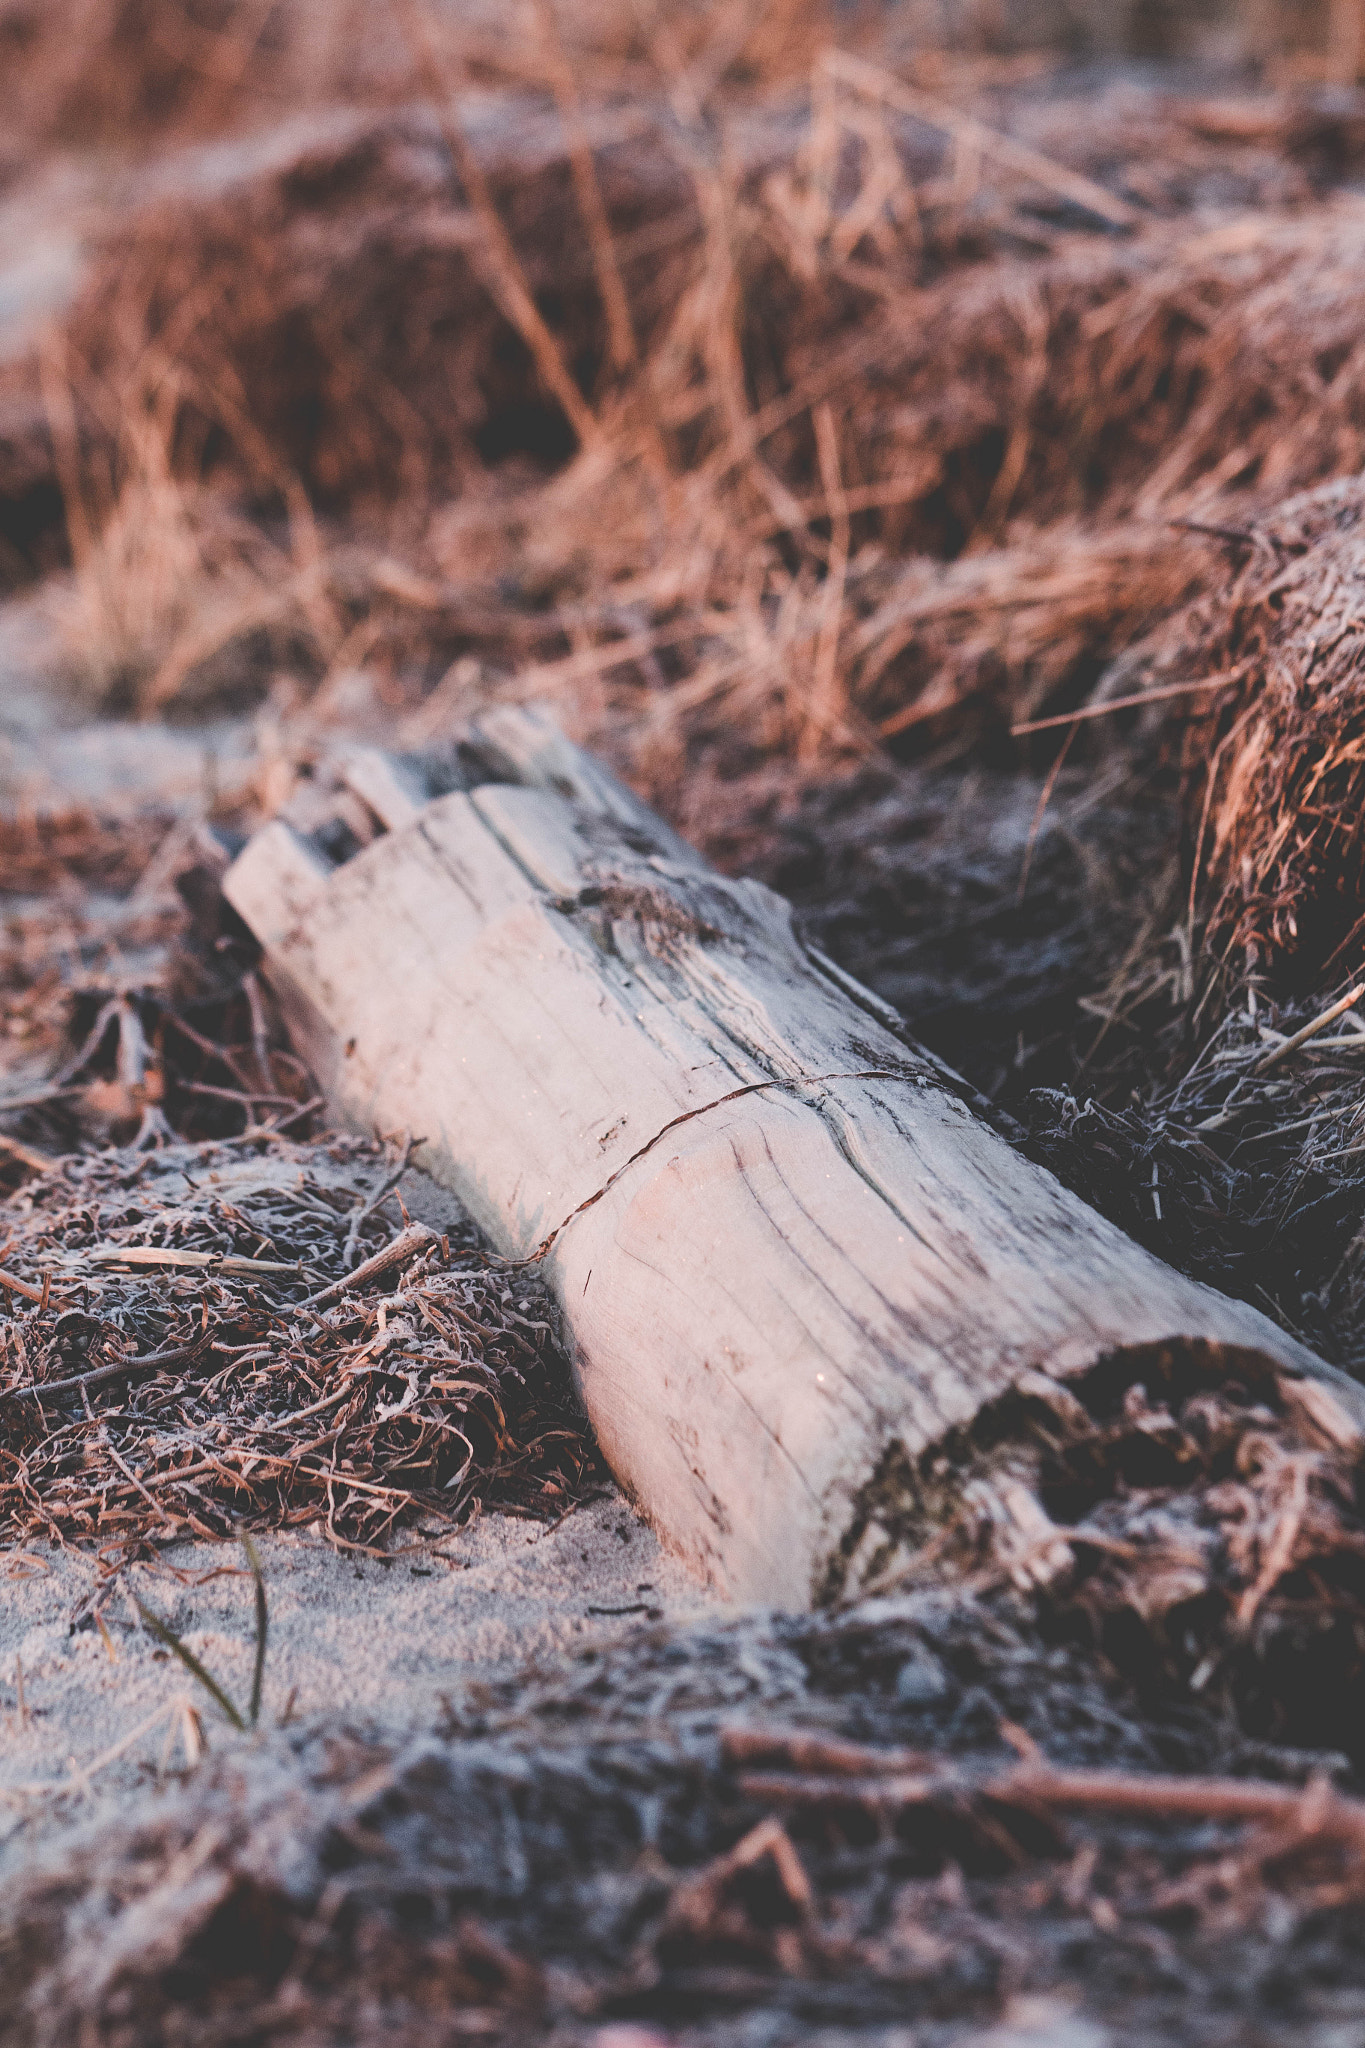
(301, 1385)
(1276, 767)
(628, 376)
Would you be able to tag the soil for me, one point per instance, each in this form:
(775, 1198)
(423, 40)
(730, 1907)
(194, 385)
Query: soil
(535, 1865)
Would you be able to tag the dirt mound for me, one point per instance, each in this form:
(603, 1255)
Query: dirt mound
(772, 1830)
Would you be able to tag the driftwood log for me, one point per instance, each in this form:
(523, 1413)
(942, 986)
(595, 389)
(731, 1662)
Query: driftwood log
(792, 1263)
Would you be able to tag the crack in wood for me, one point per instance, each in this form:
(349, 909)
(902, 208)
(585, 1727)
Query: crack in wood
(686, 1117)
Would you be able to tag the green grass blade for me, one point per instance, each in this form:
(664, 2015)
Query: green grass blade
(262, 1628)
(191, 1663)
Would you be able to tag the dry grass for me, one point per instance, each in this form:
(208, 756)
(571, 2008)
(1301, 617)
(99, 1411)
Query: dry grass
(282, 1391)
(128, 996)
(128, 69)
(1276, 766)
(613, 373)
(314, 419)
(177, 594)
(647, 362)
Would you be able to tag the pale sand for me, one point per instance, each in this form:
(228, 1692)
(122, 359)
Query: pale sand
(356, 1645)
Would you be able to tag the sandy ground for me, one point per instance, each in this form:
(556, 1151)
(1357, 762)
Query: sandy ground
(355, 1644)
(365, 1647)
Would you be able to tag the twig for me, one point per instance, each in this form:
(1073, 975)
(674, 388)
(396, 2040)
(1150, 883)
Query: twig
(35, 1098)
(259, 1037)
(89, 1045)
(247, 1096)
(29, 1155)
(211, 1046)
(1320, 1023)
(1193, 1798)
(1133, 703)
(414, 1239)
(887, 1791)
(1235, 536)
(886, 1782)
(273, 1130)
(694, 1902)
(801, 1751)
(936, 113)
(126, 1469)
(22, 1287)
(314, 1103)
(215, 1262)
(1040, 811)
(103, 1375)
(367, 1209)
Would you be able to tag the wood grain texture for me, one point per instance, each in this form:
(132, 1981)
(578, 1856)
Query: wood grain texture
(782, 1244)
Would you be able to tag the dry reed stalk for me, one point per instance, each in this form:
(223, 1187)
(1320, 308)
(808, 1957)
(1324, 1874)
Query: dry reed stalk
(825, 715)
(1001, 632)
(1017, 157)
(824, 1772)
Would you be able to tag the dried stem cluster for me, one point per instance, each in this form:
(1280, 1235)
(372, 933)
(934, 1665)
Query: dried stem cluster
(664, 430)
(234, 1336)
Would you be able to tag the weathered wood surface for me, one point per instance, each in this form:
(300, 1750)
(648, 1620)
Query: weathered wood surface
(783, 1246)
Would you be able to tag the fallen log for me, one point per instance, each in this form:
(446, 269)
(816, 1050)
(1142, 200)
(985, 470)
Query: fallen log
(794, 1267)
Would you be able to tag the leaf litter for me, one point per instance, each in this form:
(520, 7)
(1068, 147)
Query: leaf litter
(410, 1397)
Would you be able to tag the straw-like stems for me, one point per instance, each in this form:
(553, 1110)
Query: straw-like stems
(507, 279)
(621, 328)
(423, 1382)
(862, 76)
(1040, 812)
(826, 710)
